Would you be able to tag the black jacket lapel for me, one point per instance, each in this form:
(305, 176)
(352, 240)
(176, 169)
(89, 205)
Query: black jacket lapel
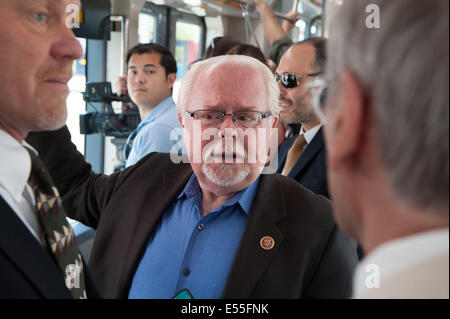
(307, 156)
(29, 257)
(251, 259)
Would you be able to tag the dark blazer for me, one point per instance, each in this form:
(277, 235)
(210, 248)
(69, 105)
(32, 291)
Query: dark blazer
(310, 170)
(311, 257)
(26, 269)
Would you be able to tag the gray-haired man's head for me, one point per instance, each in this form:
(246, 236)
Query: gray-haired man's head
(403, 70)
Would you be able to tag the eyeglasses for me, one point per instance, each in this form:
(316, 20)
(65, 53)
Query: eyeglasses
(246, 119)
(319, 92)
(290, 80)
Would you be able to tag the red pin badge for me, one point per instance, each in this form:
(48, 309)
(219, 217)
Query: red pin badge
(267, 242)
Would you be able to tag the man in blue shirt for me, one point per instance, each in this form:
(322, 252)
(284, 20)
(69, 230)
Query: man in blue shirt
(212, 221)
(151, 75)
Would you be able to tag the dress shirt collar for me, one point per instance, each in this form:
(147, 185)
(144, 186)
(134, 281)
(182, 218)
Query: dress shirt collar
(397, 255)
(16, 165)
(309, 134)
(244, 197)
(157, 111)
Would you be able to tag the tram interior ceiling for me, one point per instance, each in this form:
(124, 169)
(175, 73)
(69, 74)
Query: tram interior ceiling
(95, 20)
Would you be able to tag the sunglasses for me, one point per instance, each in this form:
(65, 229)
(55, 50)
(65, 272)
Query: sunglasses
(290, 80)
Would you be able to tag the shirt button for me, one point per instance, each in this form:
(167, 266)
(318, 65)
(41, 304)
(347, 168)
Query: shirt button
(186, 272)
(200, 226)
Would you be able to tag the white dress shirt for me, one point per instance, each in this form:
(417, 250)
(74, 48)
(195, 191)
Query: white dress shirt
(15, 170)
(415, 266)
(311, 133)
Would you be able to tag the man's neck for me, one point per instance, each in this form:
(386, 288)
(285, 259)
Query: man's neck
(211, 201)
(144, 110)
(18, 136)
(385, 217)
(307, 126)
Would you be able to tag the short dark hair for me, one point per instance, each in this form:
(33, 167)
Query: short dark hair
(220, 46)
(249, 50)
(167, 60)
(320, 47)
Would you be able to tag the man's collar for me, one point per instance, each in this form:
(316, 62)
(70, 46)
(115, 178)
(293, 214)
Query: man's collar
(157, 111)
(244, 197)
(311, 133)
(16, 165)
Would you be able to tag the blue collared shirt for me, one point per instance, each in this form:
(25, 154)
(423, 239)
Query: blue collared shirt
(153, 133)
(189, 251)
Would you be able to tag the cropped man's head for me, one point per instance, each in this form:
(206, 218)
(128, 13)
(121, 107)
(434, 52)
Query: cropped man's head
(151, 74)
(299, 66)
(37, 49)
(228, 106)
(388, 93)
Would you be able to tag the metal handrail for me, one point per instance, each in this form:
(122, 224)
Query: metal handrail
(277, 14)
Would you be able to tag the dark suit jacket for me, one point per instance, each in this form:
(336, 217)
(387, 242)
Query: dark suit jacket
(310, 170)
(311, 257)
(26, 269)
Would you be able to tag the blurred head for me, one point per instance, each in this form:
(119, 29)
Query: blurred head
(220, 156)
(220, 46)
(151, 74)
(37, 50)
(248, 50)
(388, 98)
(304, 58)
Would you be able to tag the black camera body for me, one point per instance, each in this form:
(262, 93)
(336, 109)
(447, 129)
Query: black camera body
(107, 123)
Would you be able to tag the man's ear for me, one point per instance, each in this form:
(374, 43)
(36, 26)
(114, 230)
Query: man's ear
(171, 78)
(347, 119)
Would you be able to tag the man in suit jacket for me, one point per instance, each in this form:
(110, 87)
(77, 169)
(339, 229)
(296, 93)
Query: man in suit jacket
(310, 170)
(302, 157)
(215, 225)
(37, 50)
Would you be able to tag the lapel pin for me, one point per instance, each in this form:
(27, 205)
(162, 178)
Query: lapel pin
(267, 242)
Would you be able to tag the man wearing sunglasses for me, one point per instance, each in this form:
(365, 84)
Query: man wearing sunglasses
(302, 157)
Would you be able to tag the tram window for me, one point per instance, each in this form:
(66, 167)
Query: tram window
(75, 102)
(188, 39)
(187, 47)
(316, 28)
(146, 28)
(301, 30)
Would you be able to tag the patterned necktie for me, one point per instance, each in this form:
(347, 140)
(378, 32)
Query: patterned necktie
(294, 154)
(56, 231)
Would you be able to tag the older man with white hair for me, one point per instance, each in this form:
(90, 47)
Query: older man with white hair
(387, 133)
(215, 226)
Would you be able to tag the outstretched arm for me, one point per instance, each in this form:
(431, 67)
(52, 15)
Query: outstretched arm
(272, 27)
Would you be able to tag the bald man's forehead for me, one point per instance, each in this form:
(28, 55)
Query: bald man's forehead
(298, 59)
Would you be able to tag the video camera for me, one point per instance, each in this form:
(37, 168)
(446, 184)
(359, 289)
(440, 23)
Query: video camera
(107, 123)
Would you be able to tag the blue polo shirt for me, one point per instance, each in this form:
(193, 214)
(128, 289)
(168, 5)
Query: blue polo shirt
(189, 251)
(153, 133)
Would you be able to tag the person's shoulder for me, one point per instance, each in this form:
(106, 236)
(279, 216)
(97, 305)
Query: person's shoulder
(170, 117)
(291, 188)
(301, 203)
(155, 163)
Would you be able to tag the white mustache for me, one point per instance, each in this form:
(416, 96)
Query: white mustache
(217, 150)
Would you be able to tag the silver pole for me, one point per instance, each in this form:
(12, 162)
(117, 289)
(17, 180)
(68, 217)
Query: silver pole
(277, 14)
